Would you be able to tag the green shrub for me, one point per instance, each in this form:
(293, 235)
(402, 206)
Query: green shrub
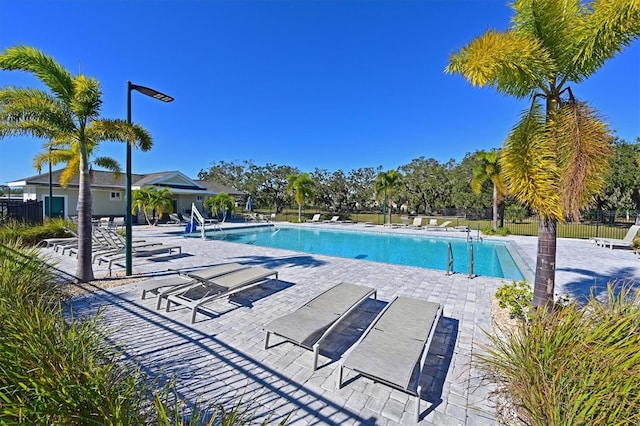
(517, 296)
(31, 235)
(488, 230)
(516, 213)
(574, 366)
(62, 370)
(635, 244)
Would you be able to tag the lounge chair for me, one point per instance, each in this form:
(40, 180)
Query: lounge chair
(334, 219)
(177, 219)
(417, 223)
(625, 242)
(395, 346)
(217, 288)
(164, 286)
(315, 218)
(310, 324)
(436, 227)
(111, 257)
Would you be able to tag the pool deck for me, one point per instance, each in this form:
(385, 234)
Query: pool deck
(221, 357)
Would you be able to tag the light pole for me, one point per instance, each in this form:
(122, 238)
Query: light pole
(50, 188)
(50, 185)
(128, 239)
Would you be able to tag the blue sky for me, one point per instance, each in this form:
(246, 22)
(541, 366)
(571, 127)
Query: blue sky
(333, 84)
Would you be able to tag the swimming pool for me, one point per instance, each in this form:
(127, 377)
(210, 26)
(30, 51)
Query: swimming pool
(490, 258)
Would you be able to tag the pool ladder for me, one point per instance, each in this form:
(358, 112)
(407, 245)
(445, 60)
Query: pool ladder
(450, 261)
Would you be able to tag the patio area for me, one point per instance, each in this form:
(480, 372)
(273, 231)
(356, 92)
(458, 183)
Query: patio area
(221, 357)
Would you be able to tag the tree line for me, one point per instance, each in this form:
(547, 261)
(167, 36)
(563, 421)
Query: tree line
(426, 185)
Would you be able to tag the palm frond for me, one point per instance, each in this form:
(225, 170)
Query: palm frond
(584, 150)
(512, 62)
(557, 24)
(120, 131)
(529, 167)
(34, 106)
(110, 164)
(70, 171)
(611, 25)
(86, 101)
(48, 71)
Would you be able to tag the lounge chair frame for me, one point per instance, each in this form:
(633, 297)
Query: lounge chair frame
(413, 387)
(315, 346)
(220, 287)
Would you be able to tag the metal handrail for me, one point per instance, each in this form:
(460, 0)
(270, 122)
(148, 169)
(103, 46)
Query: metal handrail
(471, 261)
(449, 260)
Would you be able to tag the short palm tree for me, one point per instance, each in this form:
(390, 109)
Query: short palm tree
(220, 203)
(555, 159)
(150, 200)
(488, 169)
(301, 187)
(65, 116)
(385, 186)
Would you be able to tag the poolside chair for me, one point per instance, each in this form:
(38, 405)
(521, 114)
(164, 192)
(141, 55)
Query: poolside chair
(310, 324)
(111, 257)
(217, 288)
(164, 286)
(440, 227)
(334, 219)
(177, 219)
(315, 218)
(417, 223)
(625, 242)
(394, 347)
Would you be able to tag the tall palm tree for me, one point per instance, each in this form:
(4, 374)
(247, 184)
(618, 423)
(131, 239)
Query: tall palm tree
(65, 116)
(301, 187)
(554, 159)
(488, 169)
(150, 200)
(385, 186)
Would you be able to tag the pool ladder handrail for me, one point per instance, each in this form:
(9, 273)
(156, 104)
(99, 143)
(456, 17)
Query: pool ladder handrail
(450, 260)
(199, 218)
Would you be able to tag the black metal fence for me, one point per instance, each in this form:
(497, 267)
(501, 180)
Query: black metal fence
(22, 211)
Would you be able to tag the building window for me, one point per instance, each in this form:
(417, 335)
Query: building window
(116, 196)
(199, 197)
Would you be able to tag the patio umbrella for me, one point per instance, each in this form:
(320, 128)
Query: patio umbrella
(249, 205)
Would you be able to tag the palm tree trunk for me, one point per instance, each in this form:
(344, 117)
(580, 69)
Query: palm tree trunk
(545, 265)
(495, 208)
(299, 213)
(84, 270)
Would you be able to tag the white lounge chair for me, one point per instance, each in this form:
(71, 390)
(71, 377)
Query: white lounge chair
(217, 288)
(111, 258)
(334, 219)
(625, 242)
(315, 218)
(440, 227)
(310, 324)
(394, 347)
(417, 223)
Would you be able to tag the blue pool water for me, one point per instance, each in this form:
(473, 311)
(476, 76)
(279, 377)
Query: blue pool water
(490, 258)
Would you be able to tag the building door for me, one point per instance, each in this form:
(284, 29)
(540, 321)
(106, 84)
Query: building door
(57, 206)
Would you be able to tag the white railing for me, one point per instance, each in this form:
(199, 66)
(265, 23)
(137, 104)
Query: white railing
(195, 214)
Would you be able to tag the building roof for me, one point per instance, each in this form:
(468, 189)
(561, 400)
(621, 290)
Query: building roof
(174, 180)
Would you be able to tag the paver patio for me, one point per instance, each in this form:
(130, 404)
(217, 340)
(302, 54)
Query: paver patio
(221, 357)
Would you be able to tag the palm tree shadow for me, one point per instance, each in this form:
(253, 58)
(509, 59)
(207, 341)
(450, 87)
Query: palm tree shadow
(595, 284)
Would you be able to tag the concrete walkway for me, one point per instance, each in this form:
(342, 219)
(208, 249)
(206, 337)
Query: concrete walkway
(221, 359)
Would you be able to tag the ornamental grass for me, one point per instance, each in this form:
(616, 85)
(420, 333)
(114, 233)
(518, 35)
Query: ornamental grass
(579, 365)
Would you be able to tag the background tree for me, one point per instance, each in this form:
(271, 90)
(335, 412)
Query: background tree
(426, 186)
(553, 160)
(66, 116)
(220, 203)
(385, 187)
(459, 178)
(487, 169)
(622, 185)
(301, 187)
(361, 182)
(152, 202)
